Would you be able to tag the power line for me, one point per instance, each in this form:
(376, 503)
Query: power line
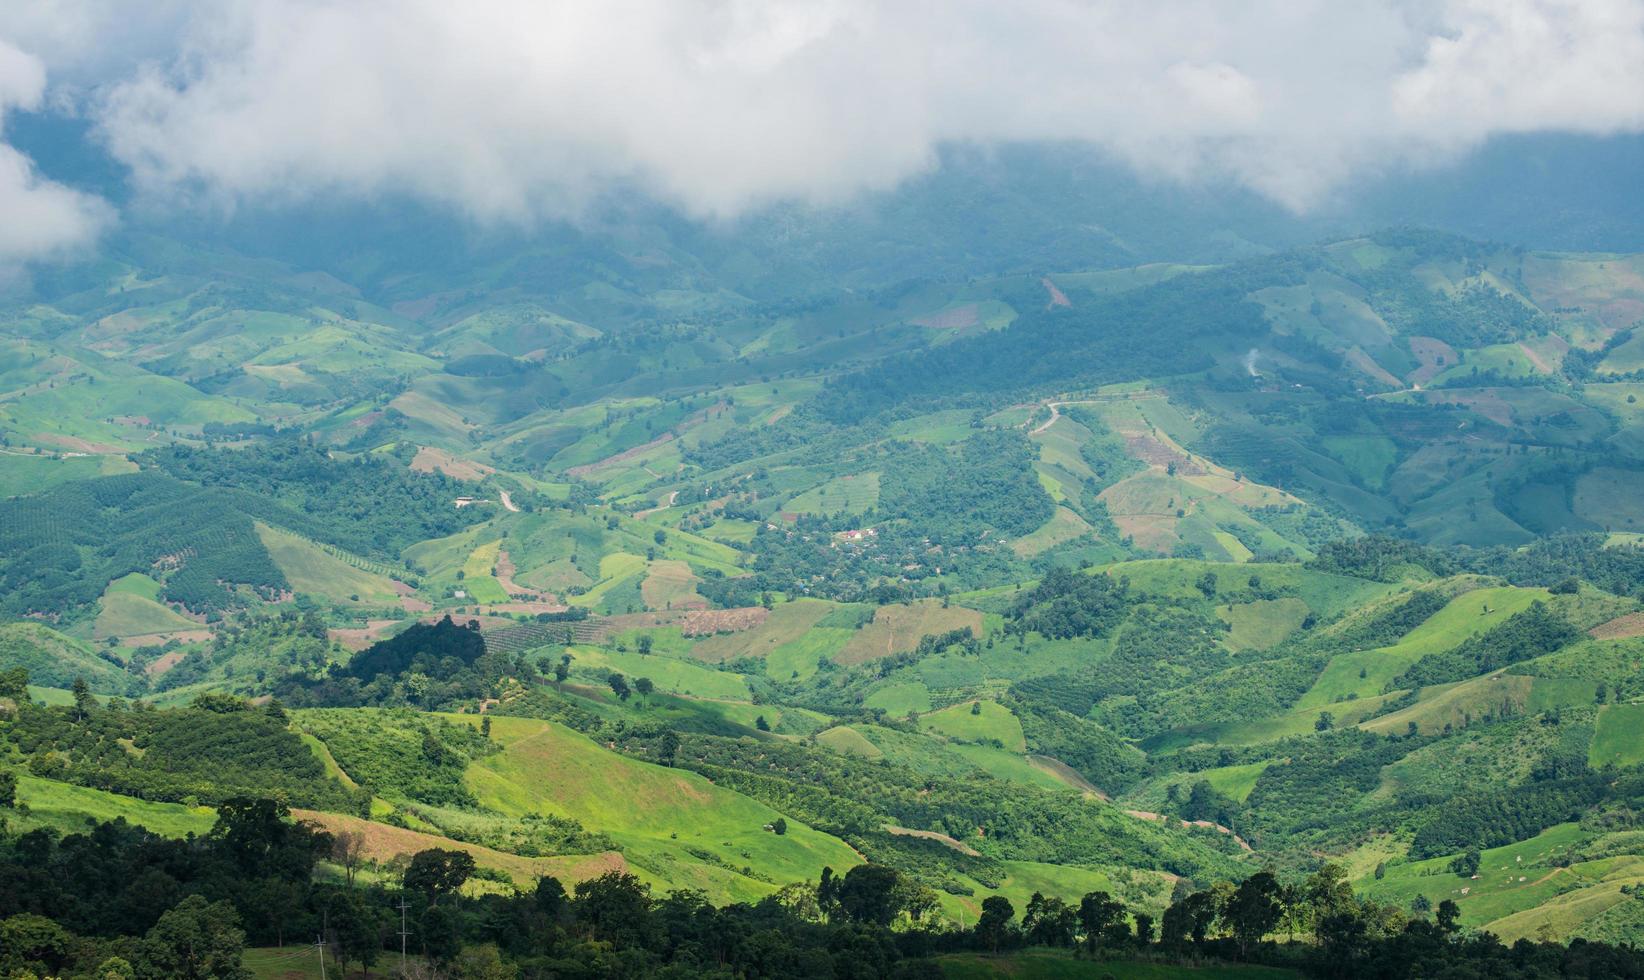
(403, 933)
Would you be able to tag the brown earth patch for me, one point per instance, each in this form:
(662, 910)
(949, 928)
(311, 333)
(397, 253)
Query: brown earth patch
(360, 637)
(384, 843)
(1067, 774)
(78, 444)
(956, 318)
(163, 663)
(898, 629)
(707, 622)
(1057, 297)
(160, 639)
(1434, 356)
(431, 460)
(1620, 628)
(952, 842)
(622, 457)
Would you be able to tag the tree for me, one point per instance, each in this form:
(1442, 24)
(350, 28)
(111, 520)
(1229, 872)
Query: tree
(8, 788)
(348, 850)
(197, 940)
(994, 923)
(615, 907)
(867, 894)
(1448, 916)
(1144, 928)
(1254, 909)
(1206, 582)
(668, 747)
(1326, 722)
(1049, 922)
(562, 670)
(483, 962)
(14, 684)
(83, 701)
(644, 644)
(1465, 865)
(356, 928)
(619, 686)
(644, 686)
(34, 939)
(779, 826)
(761, 724)
(437, 872)
(1098, 911)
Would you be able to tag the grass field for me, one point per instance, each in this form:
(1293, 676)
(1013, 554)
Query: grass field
(848, 741)
(854, 494)
(1618, 739)
(667, 673)
(898, 629)
(994, 721)
(1063, 526)
(615, 571)
(311, 570)
(787, 623)
(1235, 782)
(899, 699)
(1045, 964)
(25, 473)
(52, 658)
(1519, 887)
(124, 612)
(69, 808)
(1262, 624)
(1465, 615)
(670, 584)
(656, 813)
(798, 659)
(477, 579)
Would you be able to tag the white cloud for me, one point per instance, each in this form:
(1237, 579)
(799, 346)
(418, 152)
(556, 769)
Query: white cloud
(518, 109)
(37, 217)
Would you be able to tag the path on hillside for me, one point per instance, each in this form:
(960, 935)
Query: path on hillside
(507, 501)
(1056, 407)
(1162, 818)
(673, 495)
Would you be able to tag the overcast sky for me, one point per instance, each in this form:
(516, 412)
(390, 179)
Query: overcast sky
(519, 110)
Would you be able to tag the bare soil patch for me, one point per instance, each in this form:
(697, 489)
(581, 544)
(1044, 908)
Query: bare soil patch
(707, 622)
(431, 460)
(1620, 628)
(952, 842)
(956, 318)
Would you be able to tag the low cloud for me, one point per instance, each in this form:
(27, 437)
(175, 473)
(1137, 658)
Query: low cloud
(37, 217)
(514, 110)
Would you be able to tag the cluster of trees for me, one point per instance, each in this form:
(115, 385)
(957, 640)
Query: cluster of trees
(1066, 604)
(219, 747)
(60, 548)
(427, 665)
(118, 901)
(369, 505)
(1524, 636)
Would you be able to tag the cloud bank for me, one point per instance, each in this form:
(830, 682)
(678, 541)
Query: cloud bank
(517, 110)
(37, 217)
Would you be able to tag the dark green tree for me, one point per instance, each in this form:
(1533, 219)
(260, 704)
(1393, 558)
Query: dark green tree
(993, 926)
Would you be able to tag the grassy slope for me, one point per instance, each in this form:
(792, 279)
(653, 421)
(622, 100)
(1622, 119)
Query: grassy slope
(656, 813)
(1464, 616)
(311, 570)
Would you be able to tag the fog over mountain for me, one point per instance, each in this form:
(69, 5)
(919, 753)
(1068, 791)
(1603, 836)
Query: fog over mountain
(508, 113)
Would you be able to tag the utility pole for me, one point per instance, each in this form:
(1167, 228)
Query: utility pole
(324, 927)
(319, 944)
(403, 933)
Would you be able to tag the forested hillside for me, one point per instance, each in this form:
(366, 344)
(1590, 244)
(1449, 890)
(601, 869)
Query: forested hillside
(1284, 608)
